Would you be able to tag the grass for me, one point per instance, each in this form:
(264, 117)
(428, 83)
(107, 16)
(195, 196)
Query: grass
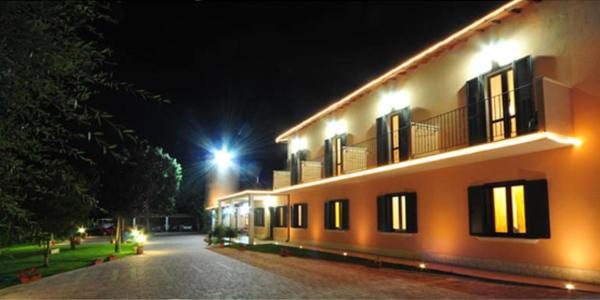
(15, 258)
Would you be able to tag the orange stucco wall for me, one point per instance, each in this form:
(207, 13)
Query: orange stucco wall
(564, 38)
(574, 197)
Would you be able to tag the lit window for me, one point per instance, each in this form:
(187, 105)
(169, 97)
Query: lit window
(280, 216)
(501, 92)
(299, 215)
(397, 212)
(395, 138)
(514, 209)
(336, 214)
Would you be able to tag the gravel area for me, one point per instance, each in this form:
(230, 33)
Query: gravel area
(181, 267)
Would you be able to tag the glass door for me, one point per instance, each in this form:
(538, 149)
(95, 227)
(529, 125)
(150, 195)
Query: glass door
(502, 110)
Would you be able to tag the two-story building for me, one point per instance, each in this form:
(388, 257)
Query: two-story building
(479, 152)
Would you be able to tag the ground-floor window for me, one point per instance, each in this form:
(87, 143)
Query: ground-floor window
(300, 215)
(337, 214)
(510, 209)
(281, 216)
(259, 216)
(397, 212)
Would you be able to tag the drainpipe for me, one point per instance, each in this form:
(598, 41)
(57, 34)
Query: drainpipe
(289, 223)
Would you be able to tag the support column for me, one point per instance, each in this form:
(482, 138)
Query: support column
(219, 214)
(166, 223)
(251, 219)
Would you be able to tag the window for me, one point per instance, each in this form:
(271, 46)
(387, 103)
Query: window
(259, 217)
(512, 209)
(280, 216)
(502, 110)
(397, 212)
(395, 128)
(337, 214)
(337, 155)
(300, 215)
(334, 160)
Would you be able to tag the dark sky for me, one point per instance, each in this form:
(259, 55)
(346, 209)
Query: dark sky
(248, 71)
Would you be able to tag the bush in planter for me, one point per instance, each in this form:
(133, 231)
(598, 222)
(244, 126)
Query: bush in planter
(230, 232)
(218, 233)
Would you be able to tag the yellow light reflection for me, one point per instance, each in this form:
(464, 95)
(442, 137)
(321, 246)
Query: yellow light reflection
(500, 210)
(518, 208)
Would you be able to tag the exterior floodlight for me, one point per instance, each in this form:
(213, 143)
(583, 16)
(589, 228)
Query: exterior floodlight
(81, 230)
(222, 159)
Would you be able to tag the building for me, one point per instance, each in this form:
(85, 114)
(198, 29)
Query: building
(479, 152)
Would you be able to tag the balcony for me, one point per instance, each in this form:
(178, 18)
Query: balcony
(452, 133)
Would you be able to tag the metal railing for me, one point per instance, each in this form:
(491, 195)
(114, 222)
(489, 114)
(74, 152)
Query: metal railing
(450, 130)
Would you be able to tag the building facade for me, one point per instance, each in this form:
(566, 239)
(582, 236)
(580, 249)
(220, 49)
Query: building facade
(478, 152)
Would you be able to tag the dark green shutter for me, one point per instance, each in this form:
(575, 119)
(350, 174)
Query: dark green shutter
(294, 168)
(295, 215)
(476, 111)
(411, 212)
(388, 215)
(479, 218)
(381, 213)
(404, 115)
(537, 212)
(304, 215)
(328, 151)
(327, 214)
(525, 107)
(382, 141)
(285, 217)
(345, 214)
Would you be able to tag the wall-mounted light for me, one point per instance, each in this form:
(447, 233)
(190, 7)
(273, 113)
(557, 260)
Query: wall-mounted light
(391, 101)
(335, 127)
(244, 209)
(495, 53)
(298, 144)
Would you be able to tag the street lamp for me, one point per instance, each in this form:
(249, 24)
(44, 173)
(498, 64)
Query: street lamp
(222, 158)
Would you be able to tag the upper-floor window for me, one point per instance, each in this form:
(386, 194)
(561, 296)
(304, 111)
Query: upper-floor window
(393, 136)
(337, 213)
(500, 103)
(280, 217)
(397, 212)
(300, 215)
(510, 209)
(259, 216)
(334, 155)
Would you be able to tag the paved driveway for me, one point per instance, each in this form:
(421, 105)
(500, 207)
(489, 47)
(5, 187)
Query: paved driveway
(180, 267)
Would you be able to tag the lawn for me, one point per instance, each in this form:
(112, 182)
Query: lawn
(15, 258)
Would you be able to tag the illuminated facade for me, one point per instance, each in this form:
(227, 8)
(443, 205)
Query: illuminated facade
(478, 152)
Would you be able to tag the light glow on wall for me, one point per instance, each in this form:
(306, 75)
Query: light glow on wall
(244, 209)
(298, 144)
(498, 52)
(335, 127)
(391, 101)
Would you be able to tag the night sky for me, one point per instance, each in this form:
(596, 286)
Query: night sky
(248, 71)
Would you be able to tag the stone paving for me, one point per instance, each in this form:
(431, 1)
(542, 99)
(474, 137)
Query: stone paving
(181, 267)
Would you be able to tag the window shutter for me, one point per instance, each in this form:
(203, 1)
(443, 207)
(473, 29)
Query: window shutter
(328, 158)
(294, 168)
(476, 111)
(525, 108)
(327, 215)
(304, 215)
(345, 214)
(285, 217)
(411, 212)
(382, 141)
(381, 213)
(479, 219)
(295, 215)
(388, 215)
(537, 212)
(404, 133)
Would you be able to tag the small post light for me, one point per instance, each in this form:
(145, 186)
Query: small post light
(276, 243)
(345, 253)
(422, 266)
(81, 230)
(301, 247)
(569, 286)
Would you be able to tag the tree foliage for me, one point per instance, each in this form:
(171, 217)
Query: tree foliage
(52, 134)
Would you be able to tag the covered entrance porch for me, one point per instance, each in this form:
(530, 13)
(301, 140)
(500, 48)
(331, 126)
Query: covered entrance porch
(252, 214)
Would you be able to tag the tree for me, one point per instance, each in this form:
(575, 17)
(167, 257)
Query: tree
(147, 183)
(52, 134)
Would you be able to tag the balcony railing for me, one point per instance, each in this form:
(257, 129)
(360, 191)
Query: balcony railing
(447, 131)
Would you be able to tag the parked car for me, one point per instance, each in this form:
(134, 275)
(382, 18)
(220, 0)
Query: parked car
(185, 227)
